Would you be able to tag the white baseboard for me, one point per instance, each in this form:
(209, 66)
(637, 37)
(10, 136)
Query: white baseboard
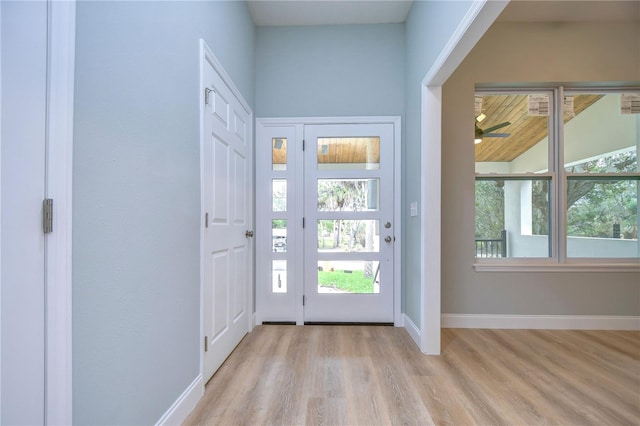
(183, 406)
(413, 330)
(551, 322)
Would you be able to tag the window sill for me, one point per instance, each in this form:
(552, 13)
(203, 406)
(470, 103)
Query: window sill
(542, 266)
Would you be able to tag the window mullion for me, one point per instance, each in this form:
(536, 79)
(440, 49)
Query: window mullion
(560, 189)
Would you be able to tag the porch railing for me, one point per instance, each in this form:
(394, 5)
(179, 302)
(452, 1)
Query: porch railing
(492, 247)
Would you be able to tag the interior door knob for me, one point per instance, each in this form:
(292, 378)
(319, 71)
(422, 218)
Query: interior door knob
(387, 239)
(248, 234)
(387, 225)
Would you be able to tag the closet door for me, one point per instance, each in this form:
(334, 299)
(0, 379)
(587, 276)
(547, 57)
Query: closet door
(23, 111)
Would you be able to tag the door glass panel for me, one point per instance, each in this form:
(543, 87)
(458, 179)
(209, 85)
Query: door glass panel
(279, 194)
(339, 236)
(279, 153)
(279, 235)
(350, 195)
(349, 153)
(279, 274)
(355, 277)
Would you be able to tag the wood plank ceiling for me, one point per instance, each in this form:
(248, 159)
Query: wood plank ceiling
(525, 130)
(335, 150)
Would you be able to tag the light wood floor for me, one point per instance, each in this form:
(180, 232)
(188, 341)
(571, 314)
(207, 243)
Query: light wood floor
(367, 375)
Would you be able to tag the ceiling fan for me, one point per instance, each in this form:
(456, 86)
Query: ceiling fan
(482, 133)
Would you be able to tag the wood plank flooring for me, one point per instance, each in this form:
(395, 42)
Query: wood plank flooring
(368, 375)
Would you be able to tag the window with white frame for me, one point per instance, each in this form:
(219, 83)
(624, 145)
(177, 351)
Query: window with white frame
(557, 174)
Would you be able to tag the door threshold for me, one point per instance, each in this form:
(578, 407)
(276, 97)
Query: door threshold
(386, 324)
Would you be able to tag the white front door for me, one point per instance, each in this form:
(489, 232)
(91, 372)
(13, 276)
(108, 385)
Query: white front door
(326, 221)
(349, 223)
(24, 80)
(227, 209)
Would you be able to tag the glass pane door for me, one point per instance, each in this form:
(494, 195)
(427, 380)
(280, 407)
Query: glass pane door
(349, 230)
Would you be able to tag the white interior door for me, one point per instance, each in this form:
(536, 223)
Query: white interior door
(349, 223)
(24, 91)
(326, 238)
(227, 202)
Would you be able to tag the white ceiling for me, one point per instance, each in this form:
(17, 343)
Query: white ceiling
(328, 12)
(335, 12)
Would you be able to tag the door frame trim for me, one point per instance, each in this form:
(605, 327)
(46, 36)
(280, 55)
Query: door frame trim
(58, 346)
(206, 55)
(397, 188)
(480, 16)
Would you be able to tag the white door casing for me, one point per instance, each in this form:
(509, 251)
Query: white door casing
(227, 173)
(277, 305)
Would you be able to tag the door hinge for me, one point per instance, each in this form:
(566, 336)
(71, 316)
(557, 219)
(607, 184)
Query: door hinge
(206, 95)
(303, 222)
(206, 343)
(47, 215)
(206, 220)
(303, 300)
(303, 144)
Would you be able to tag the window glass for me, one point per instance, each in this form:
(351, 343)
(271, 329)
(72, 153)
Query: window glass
(599, 137)
(279, 153)
(348, 195)
(512, 218)
(279, 195)
(360, 276)
(512, 133)
(348, 236)
(593, 180)
(279, 276)
(349, 153)
(602, 218)
(279, 235)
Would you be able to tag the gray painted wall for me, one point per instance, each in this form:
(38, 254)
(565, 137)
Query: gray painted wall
(429, 27)
(338, 70)
(572, 52)
(136, 198)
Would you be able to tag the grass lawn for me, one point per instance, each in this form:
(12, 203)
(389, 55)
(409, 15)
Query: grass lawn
(355, 282)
